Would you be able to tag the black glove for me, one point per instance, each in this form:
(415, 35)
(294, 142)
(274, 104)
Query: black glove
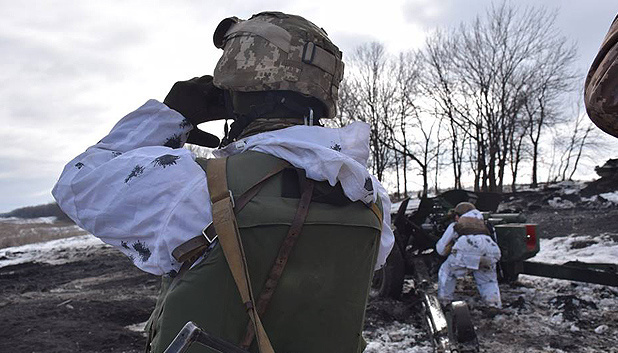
(199, 101)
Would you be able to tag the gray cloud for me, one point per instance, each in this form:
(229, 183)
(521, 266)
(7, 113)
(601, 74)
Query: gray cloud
(348, 42)
(70, 69)
(583, 22)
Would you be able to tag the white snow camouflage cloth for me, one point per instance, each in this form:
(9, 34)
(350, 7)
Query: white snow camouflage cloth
(138, 191)
(477, 253)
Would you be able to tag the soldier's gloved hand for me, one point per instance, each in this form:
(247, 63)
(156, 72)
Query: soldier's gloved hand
(199, 101)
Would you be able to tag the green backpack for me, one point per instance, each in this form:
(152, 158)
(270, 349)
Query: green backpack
(319, 302)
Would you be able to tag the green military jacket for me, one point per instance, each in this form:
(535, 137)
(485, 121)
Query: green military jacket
(319, 303)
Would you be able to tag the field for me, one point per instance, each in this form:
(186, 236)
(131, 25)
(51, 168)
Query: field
(79, 295)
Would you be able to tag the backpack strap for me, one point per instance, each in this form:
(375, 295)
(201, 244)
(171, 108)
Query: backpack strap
(198, 244)
(376, 211)
(190, 251)
(231, 244)
(284, 253)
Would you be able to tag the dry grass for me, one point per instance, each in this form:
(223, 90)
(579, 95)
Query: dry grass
(12, 234)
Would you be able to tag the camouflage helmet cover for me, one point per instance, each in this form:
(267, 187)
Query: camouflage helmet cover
(464, 207)
(601, 87)
(276, 51)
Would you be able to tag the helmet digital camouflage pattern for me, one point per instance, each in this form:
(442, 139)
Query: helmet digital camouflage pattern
(464, 207)
(276, 51)
(601, 88)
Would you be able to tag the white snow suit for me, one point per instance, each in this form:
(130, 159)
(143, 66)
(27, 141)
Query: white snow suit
(477, 253)
(138, 191)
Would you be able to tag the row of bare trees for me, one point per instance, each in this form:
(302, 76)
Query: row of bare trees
(480, 100)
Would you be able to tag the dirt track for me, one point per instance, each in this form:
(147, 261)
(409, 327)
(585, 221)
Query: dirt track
(81, 306)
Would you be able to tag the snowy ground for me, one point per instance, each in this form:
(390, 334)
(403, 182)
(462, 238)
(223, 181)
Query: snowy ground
(52, 252)
(18, 231)
(539, 314)
(46, 251)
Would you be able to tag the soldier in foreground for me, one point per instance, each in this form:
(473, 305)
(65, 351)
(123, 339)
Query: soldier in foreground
(277, 238)
(470, 248)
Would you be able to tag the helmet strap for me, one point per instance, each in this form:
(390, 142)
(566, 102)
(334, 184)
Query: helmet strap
(309, 119)
(245, 107)
(227, 99)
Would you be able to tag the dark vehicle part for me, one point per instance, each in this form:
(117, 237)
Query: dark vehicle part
(518, 241)
(451, 329)
(388, 281)
(437, 324)
(609, 169)
(508, 272)
(190, 333)
(462, 327)
(606, 274)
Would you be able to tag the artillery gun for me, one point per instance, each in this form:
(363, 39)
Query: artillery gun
(419, 225)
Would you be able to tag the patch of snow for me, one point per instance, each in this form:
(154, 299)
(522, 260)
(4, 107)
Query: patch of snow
(593, 198)
(610, 196)
(558, 202)
(16, 220)
(569, 185)
(559, 250)
(48, 252)
(139, 327)
(601, 329)
(570, 191)
(396, 338)
(557, 319)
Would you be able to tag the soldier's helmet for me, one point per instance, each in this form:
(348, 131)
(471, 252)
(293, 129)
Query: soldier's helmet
(464, 207)
(601, 87)
(273, 51)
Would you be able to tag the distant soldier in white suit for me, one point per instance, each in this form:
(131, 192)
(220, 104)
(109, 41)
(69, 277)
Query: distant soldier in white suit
(470, 248)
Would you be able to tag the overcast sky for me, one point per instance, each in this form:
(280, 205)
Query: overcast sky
(70, 69)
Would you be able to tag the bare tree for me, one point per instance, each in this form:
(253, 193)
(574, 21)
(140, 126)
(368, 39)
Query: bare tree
(347, 106)
(517, 150)
(482, 76)
(570, 146)
(370, 94)
(546, 91)
(485, 92)
(439, 83)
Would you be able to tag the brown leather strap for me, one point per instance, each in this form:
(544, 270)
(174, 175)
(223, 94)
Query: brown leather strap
(199, 243)
(190, 248)
(231, 244)
(282, 258)
(243, 199)
(376, 211)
